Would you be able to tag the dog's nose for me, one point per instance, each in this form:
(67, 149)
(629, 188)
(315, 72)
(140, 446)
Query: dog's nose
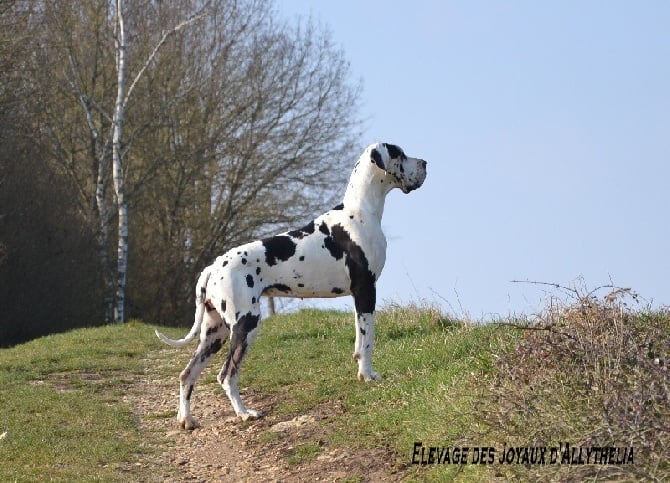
(423, 163)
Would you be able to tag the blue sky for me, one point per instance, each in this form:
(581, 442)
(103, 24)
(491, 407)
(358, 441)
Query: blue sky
(546, 127)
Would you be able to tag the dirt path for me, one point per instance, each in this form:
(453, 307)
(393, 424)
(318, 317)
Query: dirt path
(227, 449)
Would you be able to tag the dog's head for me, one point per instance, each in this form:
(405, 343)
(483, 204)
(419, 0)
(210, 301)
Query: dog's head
(405, 173)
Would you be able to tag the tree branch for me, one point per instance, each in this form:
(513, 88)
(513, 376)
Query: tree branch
(159, 45)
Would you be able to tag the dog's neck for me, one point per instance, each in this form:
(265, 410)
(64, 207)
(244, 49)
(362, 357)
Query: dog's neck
(367, 189)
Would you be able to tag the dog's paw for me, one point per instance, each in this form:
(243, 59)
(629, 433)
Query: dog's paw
(189, 423)
(373, 376)
(250, 414)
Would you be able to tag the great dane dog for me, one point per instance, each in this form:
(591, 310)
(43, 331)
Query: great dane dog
(342, 252)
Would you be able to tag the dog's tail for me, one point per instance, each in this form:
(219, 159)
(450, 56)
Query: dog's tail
(200, 291)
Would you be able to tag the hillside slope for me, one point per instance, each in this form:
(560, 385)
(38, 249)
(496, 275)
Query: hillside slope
(101, 403)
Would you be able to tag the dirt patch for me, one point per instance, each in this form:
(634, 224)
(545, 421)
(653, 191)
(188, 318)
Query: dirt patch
(74, 380)
(225, 448)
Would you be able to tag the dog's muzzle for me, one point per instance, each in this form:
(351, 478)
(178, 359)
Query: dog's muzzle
(410, 185)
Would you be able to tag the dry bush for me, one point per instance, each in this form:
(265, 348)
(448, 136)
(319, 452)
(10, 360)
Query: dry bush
(592, 372)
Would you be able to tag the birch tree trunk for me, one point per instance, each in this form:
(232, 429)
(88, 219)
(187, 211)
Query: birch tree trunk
(103, 240)
(117, 168)
(118, 151)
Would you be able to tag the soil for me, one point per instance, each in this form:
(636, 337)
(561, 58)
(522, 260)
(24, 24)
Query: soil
(224, 448)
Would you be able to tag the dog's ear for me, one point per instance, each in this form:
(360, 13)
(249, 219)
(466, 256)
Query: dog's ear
(394, 151)
(376, 157)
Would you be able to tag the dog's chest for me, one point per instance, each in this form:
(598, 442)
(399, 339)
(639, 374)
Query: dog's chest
(368, 243)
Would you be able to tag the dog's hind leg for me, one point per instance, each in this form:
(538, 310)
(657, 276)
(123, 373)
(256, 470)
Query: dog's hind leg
(213, 334)
(243, 334)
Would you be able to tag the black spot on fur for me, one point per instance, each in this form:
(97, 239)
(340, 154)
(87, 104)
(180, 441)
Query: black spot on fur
(308, 229)
(244, 261)
(213, 330)
(362, 330)
(253, 300)
(258, 270)
(278, 286)
(223, 306)
(323, 228)
(339, 207)
(224, 263)
(278, 248)
(362, 279)
(337, 290)
(250, 281)
(394, 151)
(238, 343)
(248, 322)
(302, 258)
(377, 159)
(213, 348)
(333, 247)
(301, 285)
(190, 391)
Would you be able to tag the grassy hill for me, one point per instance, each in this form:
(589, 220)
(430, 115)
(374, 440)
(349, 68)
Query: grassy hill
(81, 405)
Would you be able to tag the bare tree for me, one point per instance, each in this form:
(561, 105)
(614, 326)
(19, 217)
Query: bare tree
(107, 134)
(234, 127)
(262, 139)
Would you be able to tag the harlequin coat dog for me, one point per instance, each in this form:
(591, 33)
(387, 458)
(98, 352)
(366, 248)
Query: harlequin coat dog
(342, 252)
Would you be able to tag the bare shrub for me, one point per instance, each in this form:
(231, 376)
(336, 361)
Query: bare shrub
(592, 372)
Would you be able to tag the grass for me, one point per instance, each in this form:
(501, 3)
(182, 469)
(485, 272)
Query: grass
(446, 383)
(63, 412)
(430, 364)
(67, 420)
(304, 453)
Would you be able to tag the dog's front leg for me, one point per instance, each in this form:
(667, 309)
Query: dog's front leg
(365, 338)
